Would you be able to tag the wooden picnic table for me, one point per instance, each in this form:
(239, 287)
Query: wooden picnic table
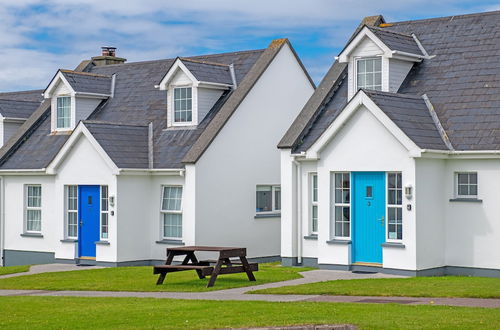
(223, 265)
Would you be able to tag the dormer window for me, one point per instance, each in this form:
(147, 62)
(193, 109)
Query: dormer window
(369, 73)
(183, 105)
(63, 112)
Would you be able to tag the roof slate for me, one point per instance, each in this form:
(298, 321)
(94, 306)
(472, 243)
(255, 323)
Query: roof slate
(32, 96)
(209, 72)
(462, 81)
(411, 115)
(17, 109)
(397, 41)
(83, 82)
(126, 145)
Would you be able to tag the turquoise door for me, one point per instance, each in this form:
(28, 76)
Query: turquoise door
(368, 216)
(88, 212)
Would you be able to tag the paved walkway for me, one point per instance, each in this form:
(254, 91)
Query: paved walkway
(240, 293)
(50, 268)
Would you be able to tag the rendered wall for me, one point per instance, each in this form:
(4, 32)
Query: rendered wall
(243, 155)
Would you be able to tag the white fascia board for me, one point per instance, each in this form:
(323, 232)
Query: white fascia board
(365, 32)
(66, 148)
(13, 120)
(350, 109)
(92, 95)
(22, 172)
(461, 154)
(53, 84)
(155, 171)
(206, 84)
(178, 65)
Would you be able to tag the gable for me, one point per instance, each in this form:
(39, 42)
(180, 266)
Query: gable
(367, 48)
(181, 78)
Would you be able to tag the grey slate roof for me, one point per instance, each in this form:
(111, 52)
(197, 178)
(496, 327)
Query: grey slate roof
(411, 115)
(397, 41)
(136, 102)
(126, 145)
(85, 82)
(17, 109)
(208, 71)
(462, 81)
(32, 95)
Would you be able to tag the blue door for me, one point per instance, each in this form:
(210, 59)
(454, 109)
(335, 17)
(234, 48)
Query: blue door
(88, 211)
(368, 216)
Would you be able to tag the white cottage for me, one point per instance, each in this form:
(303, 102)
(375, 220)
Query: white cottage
(123, 160)
(393, 164)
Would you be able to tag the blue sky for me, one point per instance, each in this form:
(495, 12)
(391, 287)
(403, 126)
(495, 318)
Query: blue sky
(38, 37)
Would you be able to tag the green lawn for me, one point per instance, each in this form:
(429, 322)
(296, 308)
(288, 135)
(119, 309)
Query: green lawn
(142, 279)
(120, 313)
(13, 270)
(446, 286)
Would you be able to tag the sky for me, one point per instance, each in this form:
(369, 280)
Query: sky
(39, 37)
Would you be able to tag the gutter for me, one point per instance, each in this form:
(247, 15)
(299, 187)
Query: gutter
(92, 95)
(157, 171)
(23, 172)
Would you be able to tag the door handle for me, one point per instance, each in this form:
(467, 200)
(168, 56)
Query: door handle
(382, 220)
(81, 223)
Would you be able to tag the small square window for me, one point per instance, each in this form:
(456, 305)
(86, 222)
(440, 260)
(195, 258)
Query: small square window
(466, 185)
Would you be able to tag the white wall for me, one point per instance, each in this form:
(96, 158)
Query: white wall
(430, 201)
(473, 229)
(243, 155)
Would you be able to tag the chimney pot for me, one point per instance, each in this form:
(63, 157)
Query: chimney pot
(108, 56)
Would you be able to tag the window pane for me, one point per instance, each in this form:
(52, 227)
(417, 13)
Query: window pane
(264, 199)
(104, 225)
(391, 180)
(378, 65)
(277, 198)
(172, 225)
(463, 178)
(34, 220)
(473, 178)
(463, 190)
(315, 188)
(172, 198)
(63, 112)
(315, 218)
(345, 196)
(473, 189)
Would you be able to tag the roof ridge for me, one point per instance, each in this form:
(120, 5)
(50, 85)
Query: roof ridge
(99, 122)
(391, 94)
(451, 17)
(203, 62)
(189, 57)
(2, 99)
(389, 31)
(85, 73)
(23, 92)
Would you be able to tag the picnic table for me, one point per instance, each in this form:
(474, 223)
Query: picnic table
(212, 268)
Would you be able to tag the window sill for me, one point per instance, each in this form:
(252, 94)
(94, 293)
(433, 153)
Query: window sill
(69, 240)
(267, 215)
(394, 245)
(102, 243)
(171, 242)
(311, 237)
(38, 235)
(339, 241)
(467, 200)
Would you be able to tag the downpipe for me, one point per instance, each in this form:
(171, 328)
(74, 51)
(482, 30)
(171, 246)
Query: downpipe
(299, 211)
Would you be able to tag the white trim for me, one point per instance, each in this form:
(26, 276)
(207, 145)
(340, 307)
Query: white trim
(54, 83)
(334, 204)
(312, 202)
(27, 208)
(67, 211)
(387, 206)
(455, 180)
(365, 32)
(350, 109)
(70, 143)
(178, 65)
(163, 212)
(273, 210)
(2, 221)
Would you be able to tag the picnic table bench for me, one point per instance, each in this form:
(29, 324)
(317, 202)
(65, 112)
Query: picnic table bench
(212, 268)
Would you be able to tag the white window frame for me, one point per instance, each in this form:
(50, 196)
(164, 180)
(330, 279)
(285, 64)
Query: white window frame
(274, 188)
(313, 202)
(32, 208)
(67, 211)
(104, 201)
(394, 206)
(183, 123)
(355, 78)
(457, 195)
(57, 112)
(163, 212)
(333, 232)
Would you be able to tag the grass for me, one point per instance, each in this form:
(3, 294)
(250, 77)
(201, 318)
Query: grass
(147, 313)
(445, 286)
(13, 270)
(142, 279)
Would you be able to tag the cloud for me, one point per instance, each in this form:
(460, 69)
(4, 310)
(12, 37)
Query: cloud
(38, 37)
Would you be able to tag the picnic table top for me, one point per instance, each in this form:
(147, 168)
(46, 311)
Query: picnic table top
(206, 248)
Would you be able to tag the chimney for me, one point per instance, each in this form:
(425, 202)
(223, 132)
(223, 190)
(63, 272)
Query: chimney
(108, 56)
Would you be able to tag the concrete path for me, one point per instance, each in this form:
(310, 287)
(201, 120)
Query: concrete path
(240, 293)
(50, 268)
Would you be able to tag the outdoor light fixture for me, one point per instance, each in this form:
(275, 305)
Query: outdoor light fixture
(408, 191)
(112, 200)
